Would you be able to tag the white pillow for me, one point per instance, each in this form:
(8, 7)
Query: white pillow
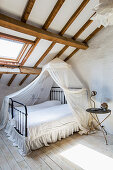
(46, 104)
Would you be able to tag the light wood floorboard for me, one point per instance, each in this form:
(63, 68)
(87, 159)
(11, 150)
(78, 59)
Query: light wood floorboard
(51, 158)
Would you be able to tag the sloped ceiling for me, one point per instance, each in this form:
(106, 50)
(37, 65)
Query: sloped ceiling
(39, 14)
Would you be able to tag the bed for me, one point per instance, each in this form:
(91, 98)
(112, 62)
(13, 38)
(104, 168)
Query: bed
(31, 127)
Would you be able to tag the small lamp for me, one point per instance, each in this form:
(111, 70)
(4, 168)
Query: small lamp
(93, 93)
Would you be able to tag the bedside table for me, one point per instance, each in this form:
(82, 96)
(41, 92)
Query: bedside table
(94, 112)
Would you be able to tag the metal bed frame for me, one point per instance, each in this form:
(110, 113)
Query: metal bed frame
(56, 93)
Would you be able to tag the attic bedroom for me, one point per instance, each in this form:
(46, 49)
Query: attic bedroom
(56, 95)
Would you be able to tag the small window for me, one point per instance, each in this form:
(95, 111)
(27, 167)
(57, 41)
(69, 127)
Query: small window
(10, 49)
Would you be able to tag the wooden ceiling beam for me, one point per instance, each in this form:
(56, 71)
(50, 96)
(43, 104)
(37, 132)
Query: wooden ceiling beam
(11, 80)
(19, 70)
(19, 26)
(70, 21)
(27, 10)
(24, 18)
(0, 76)
(73, 17)
(46, 25)
(82, 29)
(53, 14)
(86, 40)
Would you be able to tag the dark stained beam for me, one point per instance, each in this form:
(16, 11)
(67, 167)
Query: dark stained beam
(86, 40)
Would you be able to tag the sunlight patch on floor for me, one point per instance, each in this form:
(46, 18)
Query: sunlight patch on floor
(87, 158)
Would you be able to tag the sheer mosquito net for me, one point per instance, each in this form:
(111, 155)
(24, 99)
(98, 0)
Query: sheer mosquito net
(39, 90)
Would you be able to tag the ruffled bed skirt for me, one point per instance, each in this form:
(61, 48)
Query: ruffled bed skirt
(25, 146)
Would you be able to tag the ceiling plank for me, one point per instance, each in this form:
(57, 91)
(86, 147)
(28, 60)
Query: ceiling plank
(19, 70)
(86, 40)
(82, 29)
(27, 10)
(74, 16)
(53, 14)
(61, 33)
(19, 26)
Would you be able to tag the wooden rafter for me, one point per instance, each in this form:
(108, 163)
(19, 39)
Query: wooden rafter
(19, 26)
(15, 38)
(19, 70)
(53, 14)
(27, 11)
(73, 17)
(82, 29)
(86, 40)
(24, 18)
(46, 25)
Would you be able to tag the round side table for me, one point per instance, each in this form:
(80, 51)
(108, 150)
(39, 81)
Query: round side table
(94, 112)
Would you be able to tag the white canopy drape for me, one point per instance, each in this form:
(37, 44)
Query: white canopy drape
(38, 91)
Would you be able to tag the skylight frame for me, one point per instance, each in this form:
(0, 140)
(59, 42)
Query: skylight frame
(9, 61)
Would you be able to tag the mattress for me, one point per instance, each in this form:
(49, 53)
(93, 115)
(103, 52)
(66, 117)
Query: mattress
(42, 119)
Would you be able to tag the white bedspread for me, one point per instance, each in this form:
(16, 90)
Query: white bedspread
(41, 120)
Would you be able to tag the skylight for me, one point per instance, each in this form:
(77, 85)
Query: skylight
(10, 49)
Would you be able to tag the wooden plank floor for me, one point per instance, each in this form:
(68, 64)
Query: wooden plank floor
(73, 153)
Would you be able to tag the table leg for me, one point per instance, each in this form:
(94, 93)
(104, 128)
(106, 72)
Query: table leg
(102, 129)
(99, 124)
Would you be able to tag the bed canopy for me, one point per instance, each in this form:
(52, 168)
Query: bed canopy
(59, 72)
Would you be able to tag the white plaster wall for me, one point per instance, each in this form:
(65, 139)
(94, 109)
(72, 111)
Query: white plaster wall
(94, 67)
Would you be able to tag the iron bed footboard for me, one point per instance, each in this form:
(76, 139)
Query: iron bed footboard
(20, 117)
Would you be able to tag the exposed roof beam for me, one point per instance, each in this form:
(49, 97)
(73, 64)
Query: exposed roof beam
(27, 11)
(74, 16)
(46, 25)
(22, 81)
(19, 26)
(70, 21)
(82, 29)
(19, 70)
(43, 56)
(0, 76)
(11, 80)
(61, 33)
(53, 14)
(86, 40)
(24, 18)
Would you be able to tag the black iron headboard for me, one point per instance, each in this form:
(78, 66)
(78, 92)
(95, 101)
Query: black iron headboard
(57, 93)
